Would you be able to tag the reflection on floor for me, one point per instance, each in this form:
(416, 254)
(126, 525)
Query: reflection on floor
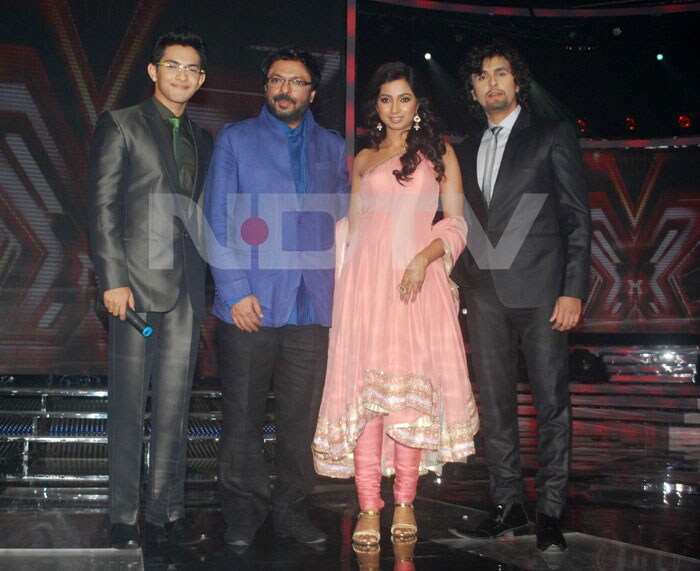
(612, 523)
(633, 498)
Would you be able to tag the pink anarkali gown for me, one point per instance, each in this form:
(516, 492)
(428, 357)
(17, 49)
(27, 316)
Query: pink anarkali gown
(405, 361)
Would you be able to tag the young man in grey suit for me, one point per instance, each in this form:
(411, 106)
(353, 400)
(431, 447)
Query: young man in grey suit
(140, 155)
(524, 277)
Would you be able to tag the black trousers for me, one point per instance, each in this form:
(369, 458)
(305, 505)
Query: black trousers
(494, 331)
(295, 357)
(165, 362)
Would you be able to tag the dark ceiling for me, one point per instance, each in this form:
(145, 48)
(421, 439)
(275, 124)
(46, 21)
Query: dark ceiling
(601, 68)
(571, 4)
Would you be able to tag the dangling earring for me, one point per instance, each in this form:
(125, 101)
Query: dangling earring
(380, 126)
(416, 122)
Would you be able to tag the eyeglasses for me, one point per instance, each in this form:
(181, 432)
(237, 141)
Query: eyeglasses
(295, 83)
(174, 67)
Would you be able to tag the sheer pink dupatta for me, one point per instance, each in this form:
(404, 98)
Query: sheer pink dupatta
(453, 233)
(342, 230)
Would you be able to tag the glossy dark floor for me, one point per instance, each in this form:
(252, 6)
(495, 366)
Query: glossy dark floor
(633, 499)
(639, 515)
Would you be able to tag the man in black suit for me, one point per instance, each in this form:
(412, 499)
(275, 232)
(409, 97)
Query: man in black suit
(140, 155)
(524, 277)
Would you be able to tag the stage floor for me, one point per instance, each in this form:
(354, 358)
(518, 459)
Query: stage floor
(648, 519)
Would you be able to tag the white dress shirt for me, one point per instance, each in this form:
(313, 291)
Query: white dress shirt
(507, 125)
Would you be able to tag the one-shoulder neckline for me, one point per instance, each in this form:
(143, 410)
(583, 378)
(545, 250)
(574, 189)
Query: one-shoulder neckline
(380, 163)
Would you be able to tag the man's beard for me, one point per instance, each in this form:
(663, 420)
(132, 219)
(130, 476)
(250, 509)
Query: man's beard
(293, 115)
(497, 105)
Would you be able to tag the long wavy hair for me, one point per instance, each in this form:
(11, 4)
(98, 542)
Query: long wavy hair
(474, 63)
(428, 140)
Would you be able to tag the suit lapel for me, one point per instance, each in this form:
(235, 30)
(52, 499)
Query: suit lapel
(470, 179)
(198, 140)
(163, 142)
(198, 184)
(500, 184)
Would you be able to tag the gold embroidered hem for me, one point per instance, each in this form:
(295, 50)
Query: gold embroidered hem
(334, 442)
(383, 393)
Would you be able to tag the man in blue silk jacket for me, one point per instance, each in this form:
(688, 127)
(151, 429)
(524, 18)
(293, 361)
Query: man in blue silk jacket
(276, 185)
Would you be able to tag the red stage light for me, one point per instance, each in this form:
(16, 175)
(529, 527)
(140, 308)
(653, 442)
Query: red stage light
(685, 121)
(631, 123)
(582, 126)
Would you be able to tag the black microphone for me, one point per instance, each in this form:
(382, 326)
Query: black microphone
(136, 321)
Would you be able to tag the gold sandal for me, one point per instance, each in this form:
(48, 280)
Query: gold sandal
(364, 534)
(404, 548)
(367, 557)
(401, 530)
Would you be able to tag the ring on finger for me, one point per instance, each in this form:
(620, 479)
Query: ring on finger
(403, 290)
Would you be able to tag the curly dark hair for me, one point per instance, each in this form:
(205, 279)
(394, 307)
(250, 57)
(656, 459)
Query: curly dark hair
(428, 140)
(474, 62)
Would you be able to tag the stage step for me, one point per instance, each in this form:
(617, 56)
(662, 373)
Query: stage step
(653, 407)
(54, 429)
(57, 432)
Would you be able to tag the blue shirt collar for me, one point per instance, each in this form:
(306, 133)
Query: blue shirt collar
(298, 131)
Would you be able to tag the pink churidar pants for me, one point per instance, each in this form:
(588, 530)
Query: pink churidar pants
(368, 470)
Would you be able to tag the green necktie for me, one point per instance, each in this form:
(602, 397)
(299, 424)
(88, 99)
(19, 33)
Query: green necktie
(175, 122)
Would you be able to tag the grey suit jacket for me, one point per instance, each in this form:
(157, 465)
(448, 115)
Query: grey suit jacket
(132, 168)
(533, 242)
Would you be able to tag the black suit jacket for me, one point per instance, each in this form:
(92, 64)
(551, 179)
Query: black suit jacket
(131, 163)
(533, 242)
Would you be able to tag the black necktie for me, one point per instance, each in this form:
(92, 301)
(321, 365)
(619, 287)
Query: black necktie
(487, 186)
(175, 122)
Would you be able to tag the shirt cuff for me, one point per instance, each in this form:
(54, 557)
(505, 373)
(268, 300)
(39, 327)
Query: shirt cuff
(234, 301)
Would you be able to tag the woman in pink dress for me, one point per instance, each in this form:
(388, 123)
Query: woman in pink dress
(397, 397)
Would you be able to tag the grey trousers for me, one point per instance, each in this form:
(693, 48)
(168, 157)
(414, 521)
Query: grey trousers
(164, 362)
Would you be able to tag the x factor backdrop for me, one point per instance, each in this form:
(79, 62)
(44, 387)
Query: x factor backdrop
(65, 61)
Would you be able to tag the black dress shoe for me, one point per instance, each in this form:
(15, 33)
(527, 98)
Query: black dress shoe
(177, 532)
(300, 528)
(239, 540)
(124, 536)
(549, 535)
(155, 534)
(505, 519)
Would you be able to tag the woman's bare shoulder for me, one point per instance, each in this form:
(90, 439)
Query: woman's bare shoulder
(363, 160)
